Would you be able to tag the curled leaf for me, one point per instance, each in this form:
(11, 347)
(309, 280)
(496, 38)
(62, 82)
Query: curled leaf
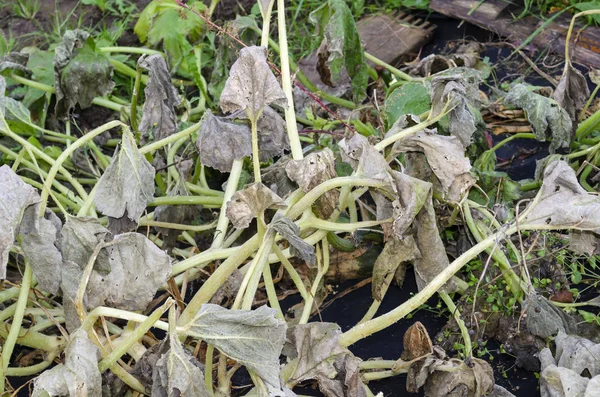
(315, 353)
(249, 203)
(578, 354)
(545, 319)
(272, 136)
(460, 379)
(417, 342)
(395, 253)
(15, 197)
(14, 61)
(79, 238)
(363, 157)
(78, 376)
(290, 231)
(572, 92)
(251, 85)
(158, 119)
(220, 143)
(313, 170)
(81, 72)
(127, 185)
(252, 337)
(548, 119)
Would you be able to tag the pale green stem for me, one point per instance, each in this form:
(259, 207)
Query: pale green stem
(252, 278)
(396, 72)
(376, 303)
(186, 200)
(312, 221)
(172, 170)
(177, 226)
(202, 190)
(266, 15)
(208, 369)
(255, 152)
(461, 324)
(32, 369)
(65, 155)
(230, 189)
(271, 292)
(308, 304)
(131, 50)
(15, 327)
(170, 139)
(286, 83)
(292, 272)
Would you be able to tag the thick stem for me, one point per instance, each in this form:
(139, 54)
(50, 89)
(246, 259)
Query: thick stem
(232, 183)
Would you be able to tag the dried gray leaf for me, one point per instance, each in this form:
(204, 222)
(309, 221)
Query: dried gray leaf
(290, 231)
(584, 243)
(395, 253)
(578, 354)
(475, 380)
(249, 203)
(559, 381)
(445, 155)
(137, 269)
(79, 237)
(15, 61)
(547, 118)
(78, 376)
(460, 90)
(315, 353)
(272, 135)
(178, 373)
(15, 197)
(39, 240)
(158, 119)
(251, 85)
(252, 337)
(572, 92)
(564, 203)
(363, 157)
(276, 178)
(127, 185)
(313, 170)
(220, 143)
(545, 319)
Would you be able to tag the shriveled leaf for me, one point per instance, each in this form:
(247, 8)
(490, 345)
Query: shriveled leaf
(178, 373)
(459, 91)
(38, 238)
(395, 253)
(545, 319)
(220, 142)
(445, 155)
(548, 118)
(14, 61)
(252, 337)
(558, 381)
(272, 136)
(78, 376)
(249, 203)
(341, 48)
(584, 243)
(15, 197)
(313, 170)
(315, 353)
(276, 178)
(81, 72)
(363, 157)
(572, 92)
(251, 85)
(417, 342)
(127, 185)
(564, 203)
(409, 98)
(79, 238)
(158, 119)
(475, 380)
(290, 231)
(419, 371)
(578, 354)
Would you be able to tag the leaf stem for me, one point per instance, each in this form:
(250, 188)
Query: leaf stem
(230, 189)
(396, 72)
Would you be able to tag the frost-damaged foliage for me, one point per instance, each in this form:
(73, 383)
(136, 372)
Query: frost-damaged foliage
(272, 137)
(547, 117)
(314, 352)
(158, 119)
(14, 61)
(572, 93)
(575, 371)
(341, 48)
(178, 373)
(563, 202)
(220, 142)
(12, 112)
(545, 319)
(252, 337)
(364, 158)
(458, 89)
(251, 85)
(313, 170)
(127, 185)
(249, 203)
(396, 252)
(15, 197)
(137, 269)
(446, 158)
(78, 376)
(81, 72)
(290, 231)
(78, 239)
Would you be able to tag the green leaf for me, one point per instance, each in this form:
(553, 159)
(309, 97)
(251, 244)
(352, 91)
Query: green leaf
(589, 5)
(101, 4)
(341, 48)
(409, 98)
(163, 21)
(40, 64)
(587, 316)
(81, 72)
(547, 118)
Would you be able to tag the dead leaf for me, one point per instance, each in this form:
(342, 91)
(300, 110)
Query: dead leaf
(364, 158)
(127, 185)
(251, 85)
(79, 237)
(272, 135)
(474, 380)
(545, 319)
(558, 381)
(158, 118)
(15, 197)
(313, 170)
(572, 93)
(417, 342)
(578, 354)
(290, 231)
(220, 143)
(249, 203)
(395, 253)
(252, 337)
(78, 376)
